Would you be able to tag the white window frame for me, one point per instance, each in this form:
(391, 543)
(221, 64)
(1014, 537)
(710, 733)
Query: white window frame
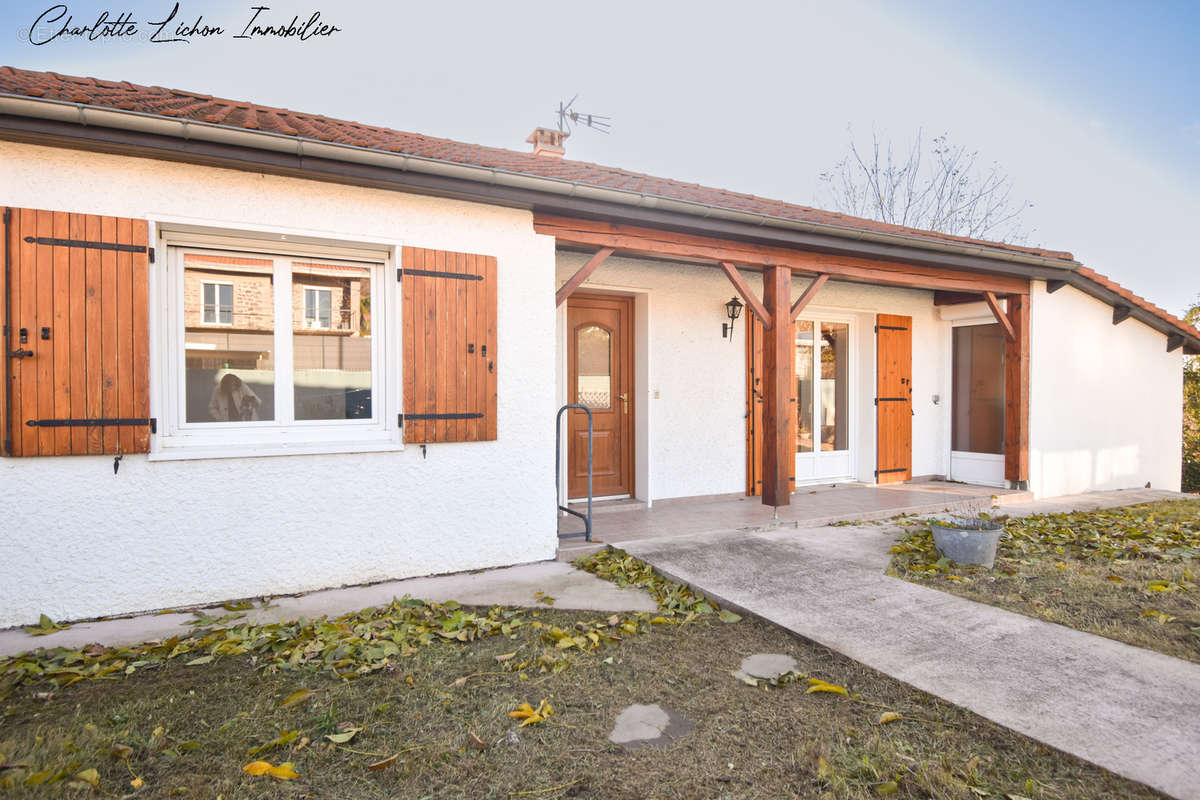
(822, 466)
(217, 305)
(178, 439)
(304, 290)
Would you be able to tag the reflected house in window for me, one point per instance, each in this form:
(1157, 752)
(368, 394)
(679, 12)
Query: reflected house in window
(331, 346)
(230, 320)
(229, 323)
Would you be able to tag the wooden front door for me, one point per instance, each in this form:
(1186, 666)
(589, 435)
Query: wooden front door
(600, 376)
(893, 398)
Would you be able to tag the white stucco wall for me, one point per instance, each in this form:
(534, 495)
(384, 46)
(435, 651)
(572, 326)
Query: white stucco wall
(1105, 400)
(695, 395)
(80, 541)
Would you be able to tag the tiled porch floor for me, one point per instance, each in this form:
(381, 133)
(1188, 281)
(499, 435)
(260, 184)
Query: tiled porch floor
(812, 506)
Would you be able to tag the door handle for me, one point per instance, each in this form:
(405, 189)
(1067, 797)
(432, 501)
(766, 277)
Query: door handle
(18, 353)
(625, 402)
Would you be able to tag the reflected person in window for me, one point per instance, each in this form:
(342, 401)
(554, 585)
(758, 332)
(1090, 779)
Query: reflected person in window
(233, 401)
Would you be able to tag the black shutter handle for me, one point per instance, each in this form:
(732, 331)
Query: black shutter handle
(18, 353)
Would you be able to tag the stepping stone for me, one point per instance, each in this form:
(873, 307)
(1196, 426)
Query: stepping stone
(648, 726)
(766, 666)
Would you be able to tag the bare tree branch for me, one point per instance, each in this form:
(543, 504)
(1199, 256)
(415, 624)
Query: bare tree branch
(947, 193)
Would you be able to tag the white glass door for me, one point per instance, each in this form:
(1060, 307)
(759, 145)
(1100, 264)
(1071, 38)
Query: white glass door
(977, 404)
(823, 400)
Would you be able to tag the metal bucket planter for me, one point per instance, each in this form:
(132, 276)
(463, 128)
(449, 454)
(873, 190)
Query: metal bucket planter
(967, 541)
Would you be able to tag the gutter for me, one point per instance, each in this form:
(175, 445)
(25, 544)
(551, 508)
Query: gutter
(88, 115)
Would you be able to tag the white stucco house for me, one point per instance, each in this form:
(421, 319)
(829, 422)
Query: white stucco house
(255, 351)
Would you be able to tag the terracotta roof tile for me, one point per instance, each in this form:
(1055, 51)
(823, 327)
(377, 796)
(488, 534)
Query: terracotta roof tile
(205, 108)
(1137, 300)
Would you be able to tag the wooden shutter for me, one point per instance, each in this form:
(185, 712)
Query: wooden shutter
(450, 363)
(77, 291)
(893, 400)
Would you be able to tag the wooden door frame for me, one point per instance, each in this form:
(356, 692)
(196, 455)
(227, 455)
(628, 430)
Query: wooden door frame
(628, 358)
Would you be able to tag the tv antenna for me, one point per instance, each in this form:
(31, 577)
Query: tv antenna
(568, 117)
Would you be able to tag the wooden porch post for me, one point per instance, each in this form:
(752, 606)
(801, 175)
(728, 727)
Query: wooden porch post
(779, 440)
(1016, 392)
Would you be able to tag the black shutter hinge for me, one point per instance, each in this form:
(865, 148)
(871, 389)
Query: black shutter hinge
(399, 274)
(151, 255)
(102, 422)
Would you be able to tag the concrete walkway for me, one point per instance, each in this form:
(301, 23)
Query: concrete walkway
(571, 589)
(618, 522)
(1131, 711)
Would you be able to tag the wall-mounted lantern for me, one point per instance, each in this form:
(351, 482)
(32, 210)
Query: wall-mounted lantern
(734, 309)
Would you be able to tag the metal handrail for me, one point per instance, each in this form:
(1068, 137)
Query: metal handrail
(587, 518)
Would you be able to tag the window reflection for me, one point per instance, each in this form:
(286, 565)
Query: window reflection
(804, 386)
(835, 411)
(229, 330)
(977, 405)
(593, 367)
(331, 340)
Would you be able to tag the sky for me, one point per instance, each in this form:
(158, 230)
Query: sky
(1091, 107)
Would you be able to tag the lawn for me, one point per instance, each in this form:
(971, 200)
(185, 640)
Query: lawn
(432, 719)
(1127, 573)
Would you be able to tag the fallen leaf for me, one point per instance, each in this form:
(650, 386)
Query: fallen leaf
(38, 778)
(887, 788)
(476, 742)
(343, 737)
(121, 751)
(45, 627)
(1116, 579)
(283, 772)
(296, 697)
(257, 767)
(728, 616)
(530, 715)
(818, 685)
(284, 737)
(89, 776)
(889, 716)
(384, 764)
(196, 662)
(505, 656)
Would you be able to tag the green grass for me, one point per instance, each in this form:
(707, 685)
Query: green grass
(1126, 573)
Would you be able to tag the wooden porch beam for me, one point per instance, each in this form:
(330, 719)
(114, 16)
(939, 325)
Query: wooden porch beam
(1016, 394)
(1174, 342)
(1054, 286)
(582, 275)
(747, 294)
(658, 243)
(809, 293)
(1121, 313)
(779, 363)
(994, 305)
(941, 298)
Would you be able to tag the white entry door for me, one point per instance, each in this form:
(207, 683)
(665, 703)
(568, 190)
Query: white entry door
(823, 401)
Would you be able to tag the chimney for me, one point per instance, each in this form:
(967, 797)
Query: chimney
(548, 142)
